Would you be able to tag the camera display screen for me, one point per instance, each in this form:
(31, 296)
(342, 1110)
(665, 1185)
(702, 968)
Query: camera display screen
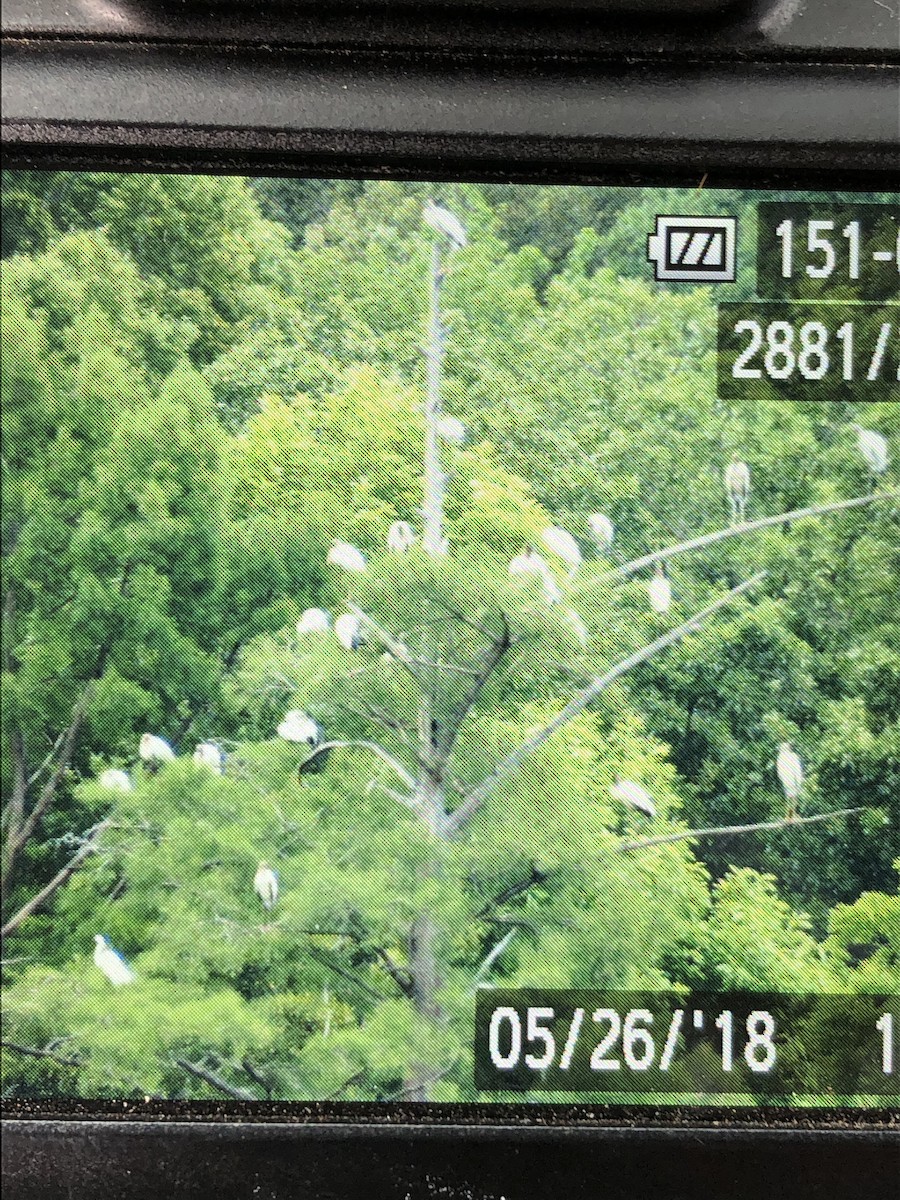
(451, 642)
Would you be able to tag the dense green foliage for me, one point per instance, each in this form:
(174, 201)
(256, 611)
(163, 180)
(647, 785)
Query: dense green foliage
(206, 381)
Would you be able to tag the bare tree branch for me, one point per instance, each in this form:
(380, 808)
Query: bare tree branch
(326, 962)
(456, 820)
(362, 744)
(399, 651)
(60, 878)
(725, 830)
(497, 648)
(258, 1078)
(719, 535)
(214, 1080)
(34, 1052)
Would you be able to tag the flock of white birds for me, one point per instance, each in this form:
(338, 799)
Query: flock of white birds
(299, 728)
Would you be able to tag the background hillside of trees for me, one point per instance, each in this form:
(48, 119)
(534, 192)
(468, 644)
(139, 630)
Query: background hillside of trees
(205, 381)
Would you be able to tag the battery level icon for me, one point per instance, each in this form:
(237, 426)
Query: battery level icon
(693, 249)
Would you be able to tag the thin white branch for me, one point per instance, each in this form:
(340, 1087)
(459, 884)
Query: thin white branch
(719, 535)
(578, 703)
(485, 967)
(724, 830)
(360, 744)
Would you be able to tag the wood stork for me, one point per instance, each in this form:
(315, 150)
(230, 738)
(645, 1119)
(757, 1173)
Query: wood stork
(154, 751)
(400, 537)
(529, 562)
(265, 884)
(297, 726)
(111, 962)
(874, 449)
(561, 543)
(116, 781)
(602, 530)
(452, 429)
(789, 768)
(660, 591)
(342, 554)
(209, 755)
(737, 485)
(632, 793)
(313, 620)
(348, 630)
(441, 220)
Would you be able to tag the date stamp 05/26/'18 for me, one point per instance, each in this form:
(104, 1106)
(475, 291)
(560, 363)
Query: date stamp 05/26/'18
(758, 1044)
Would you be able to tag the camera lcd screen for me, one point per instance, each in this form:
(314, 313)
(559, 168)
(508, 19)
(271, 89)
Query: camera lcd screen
(451, 642)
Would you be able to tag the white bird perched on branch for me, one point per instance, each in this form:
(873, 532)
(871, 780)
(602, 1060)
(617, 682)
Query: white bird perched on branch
(452, 429)
(342, 554)
(265, 884)
(737, 485)
(561, 543)
(602, 530)
(155, 750)
(348, 630)
(116, 781)
(660, 591)
(111, 962)
(873, 447)
(632, 793)
(208, 754)
(297, 726)
(529, 562)
(442, 220)
(789, 768)
(400, 537)
(313, 620)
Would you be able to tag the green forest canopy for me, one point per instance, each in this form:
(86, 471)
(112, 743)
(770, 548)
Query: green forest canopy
(205, 381)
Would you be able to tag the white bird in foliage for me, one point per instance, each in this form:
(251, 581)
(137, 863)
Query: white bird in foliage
(401, 537)
(873, 447)
(737, 485)
(452, 429)
(529, 562)
(561, 543)
(297, 726)
(348, 630)
(111, 962)
(208, 754)
(632, 793)
(602, 530)
(313, 620)
(442, 220)
(789, 768)
(342, 554)
(265, 884)
(660, 591)
(116, 781)
(155, 750)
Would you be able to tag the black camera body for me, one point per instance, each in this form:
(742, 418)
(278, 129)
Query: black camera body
(760, 95)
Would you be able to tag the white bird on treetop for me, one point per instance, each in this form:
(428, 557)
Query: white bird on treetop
(348, 630)
(660, 591)
(116, 781)
(208, 754)
(342, 554)
(873, 447)
(789, 768)
(442, 220)
(296, 726)
(401, 537)
(529, 562)
(452, 429)
(313, 620)
(602, 530)
(111, 962)
(561, 543)
(737, 485)
(155, 750)
(632, 793)
(265, 884)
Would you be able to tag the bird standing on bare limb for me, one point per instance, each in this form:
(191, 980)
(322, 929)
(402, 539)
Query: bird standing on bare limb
(789, 768)
(737, 485)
